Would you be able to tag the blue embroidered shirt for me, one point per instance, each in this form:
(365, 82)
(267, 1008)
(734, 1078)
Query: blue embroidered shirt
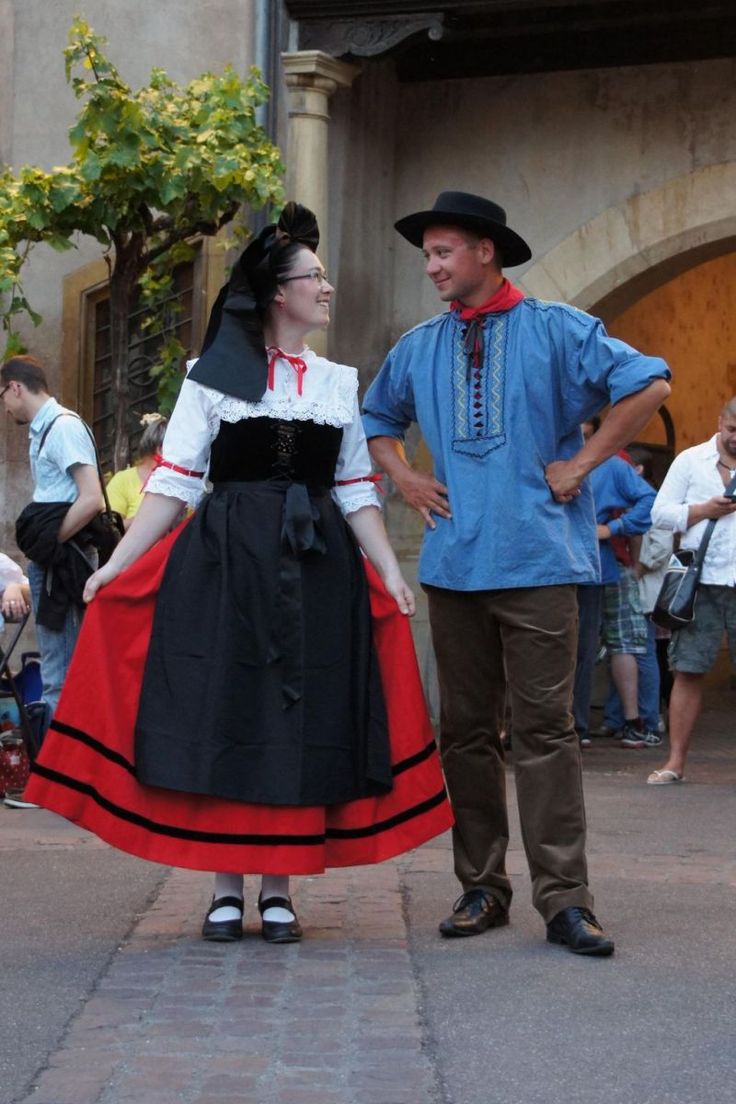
(547, 367)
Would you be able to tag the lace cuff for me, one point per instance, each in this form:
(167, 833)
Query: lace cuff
(186, 488)
(354, 497)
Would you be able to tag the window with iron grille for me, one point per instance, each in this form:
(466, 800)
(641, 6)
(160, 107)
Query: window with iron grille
(143, 348)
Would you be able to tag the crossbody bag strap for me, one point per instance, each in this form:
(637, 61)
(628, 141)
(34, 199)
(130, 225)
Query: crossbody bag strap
(71, 414)
(703, 546)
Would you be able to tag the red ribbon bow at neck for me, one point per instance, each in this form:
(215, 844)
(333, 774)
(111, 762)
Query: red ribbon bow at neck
(297, 363)
(504, 298)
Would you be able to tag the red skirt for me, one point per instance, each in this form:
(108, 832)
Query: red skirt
(86, 769)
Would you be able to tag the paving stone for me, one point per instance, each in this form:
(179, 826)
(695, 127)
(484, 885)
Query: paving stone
(176, 1021)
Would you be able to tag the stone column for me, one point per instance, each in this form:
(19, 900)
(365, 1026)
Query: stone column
(311, 77)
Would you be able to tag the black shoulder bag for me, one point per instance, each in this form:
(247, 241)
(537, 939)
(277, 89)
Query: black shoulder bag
(675, 605)
(108, 525)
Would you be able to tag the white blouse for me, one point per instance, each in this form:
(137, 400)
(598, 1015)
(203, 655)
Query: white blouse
(329, 397)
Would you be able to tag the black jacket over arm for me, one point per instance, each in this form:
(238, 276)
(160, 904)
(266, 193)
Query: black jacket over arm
(68, 565)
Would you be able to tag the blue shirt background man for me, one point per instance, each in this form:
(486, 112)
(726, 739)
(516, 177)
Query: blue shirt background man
(614, 604)
(64, 471)
(499, 386)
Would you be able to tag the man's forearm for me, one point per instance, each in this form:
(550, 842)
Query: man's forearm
(79, 514)
(388, 454)
(621, 425)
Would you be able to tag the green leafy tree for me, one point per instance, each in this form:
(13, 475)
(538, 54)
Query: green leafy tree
(150, 170)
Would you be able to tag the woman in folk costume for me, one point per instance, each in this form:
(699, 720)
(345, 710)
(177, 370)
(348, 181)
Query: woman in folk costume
(244, 697)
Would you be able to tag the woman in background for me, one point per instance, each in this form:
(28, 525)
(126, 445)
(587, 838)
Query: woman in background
(125, 489)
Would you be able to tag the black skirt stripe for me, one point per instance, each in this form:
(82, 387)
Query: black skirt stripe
(233, 838)
(414, 760)
(94, 745)
(390, 822)
(121, 761)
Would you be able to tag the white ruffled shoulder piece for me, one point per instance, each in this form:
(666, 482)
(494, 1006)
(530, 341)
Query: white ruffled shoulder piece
(328, 397)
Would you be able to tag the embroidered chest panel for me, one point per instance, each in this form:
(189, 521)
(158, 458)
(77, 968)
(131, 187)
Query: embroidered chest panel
(478, 392)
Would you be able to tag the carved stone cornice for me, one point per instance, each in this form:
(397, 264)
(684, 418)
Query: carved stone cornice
(366, 37)
(302, 65)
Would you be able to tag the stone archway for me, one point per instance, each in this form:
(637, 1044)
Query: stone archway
(611, 261)
(661, 272)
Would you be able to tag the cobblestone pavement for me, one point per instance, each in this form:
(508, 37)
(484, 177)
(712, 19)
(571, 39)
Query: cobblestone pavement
(372, 1008)
(178, 1021)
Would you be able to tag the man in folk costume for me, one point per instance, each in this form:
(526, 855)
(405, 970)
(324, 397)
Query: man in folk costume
(244, 697)
(499, 386)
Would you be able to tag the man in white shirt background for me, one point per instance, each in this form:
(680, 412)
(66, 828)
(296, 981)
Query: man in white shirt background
(691, 494)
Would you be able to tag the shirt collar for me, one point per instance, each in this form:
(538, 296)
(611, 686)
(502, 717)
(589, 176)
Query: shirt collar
(710, 448)
(43, 416)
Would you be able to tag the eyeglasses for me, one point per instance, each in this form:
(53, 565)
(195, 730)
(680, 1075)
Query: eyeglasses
(5, 388)
(316, 275)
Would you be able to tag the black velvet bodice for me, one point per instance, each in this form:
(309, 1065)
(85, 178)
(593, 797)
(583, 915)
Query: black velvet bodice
(257, 449)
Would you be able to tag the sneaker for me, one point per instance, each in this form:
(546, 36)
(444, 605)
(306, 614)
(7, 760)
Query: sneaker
(632, 737)
(14, 800)
(585, 741)
(651, 739)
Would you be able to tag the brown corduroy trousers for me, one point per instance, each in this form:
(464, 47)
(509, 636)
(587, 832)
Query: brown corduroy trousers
(523, 640)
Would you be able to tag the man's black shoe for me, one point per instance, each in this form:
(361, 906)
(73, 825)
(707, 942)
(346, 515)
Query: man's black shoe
(578, 929)
(474, 912)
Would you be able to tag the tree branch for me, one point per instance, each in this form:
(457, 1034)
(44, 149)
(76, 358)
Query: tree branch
(162, 222)
(205, 228)
(145, 213)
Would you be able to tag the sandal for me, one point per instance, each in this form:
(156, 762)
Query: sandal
(279, 931)
(223, 931)
(664, 778)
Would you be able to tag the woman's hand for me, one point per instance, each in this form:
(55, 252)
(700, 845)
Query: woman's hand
(400, 591)
(14, 603)
(100, 579)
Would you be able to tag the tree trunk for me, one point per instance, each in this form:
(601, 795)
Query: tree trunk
(123, 280)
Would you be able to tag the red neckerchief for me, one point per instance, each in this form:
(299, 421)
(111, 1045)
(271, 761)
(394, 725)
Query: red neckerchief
(297, 363)
(506, 297)
(503, 299)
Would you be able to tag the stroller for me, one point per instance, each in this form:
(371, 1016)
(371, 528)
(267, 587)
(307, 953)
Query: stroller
(23, 715)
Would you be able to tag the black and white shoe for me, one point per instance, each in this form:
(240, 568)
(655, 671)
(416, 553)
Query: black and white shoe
(279, 931)
(223, 931)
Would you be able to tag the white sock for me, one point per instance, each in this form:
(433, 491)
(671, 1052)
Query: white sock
(276, 885)
(227, 885)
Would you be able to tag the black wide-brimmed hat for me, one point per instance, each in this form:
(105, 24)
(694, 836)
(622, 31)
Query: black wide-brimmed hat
(474, 213)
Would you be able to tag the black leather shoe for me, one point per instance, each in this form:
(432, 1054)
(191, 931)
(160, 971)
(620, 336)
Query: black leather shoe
(223, 931)
(279, 931)
(578, 929)
(475, 911)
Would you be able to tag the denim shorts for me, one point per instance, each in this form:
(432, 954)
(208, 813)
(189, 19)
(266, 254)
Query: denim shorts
(694, 649)
(624, 624)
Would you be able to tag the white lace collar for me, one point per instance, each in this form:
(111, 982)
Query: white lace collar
(328, 395)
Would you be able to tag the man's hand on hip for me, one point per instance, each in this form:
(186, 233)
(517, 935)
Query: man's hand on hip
(563, 479)
(425, 494)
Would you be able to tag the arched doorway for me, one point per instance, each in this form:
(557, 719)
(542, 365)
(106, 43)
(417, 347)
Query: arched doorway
(661, 272)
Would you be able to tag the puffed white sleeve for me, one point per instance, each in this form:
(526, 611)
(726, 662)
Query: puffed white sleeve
(186, 448)
(353, 486)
